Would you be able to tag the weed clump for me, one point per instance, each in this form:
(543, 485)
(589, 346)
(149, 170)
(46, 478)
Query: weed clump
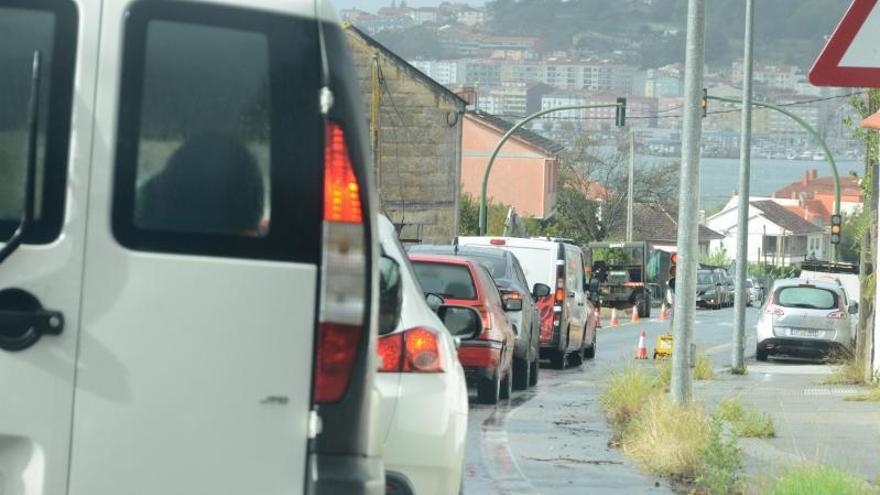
(821, 480)
(746, 422)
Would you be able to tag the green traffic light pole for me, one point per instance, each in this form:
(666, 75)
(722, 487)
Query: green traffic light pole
(484, 220)
(817, 137)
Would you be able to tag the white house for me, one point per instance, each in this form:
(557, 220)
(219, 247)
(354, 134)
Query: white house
(777, 235)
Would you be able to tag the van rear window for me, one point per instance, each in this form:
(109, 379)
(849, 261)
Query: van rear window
(448, 281)
(806, 297)
(49, 27)
(205, 162)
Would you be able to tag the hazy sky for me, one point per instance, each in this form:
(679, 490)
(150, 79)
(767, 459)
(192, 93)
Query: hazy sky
(373, 5)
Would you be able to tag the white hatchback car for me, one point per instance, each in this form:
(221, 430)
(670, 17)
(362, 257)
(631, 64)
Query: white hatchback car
(806, 318)
(424, 398)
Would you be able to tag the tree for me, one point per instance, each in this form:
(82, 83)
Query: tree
(469, 216)
(864, 229)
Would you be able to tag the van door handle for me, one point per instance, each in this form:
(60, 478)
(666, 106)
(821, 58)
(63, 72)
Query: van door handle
(571, 295)
(23, 320)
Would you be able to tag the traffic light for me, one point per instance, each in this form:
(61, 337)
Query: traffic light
(836, 229)
(704, 102)
(620, 114)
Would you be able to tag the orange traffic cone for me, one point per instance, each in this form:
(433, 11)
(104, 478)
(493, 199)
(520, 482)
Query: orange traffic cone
(635, 315)
(598, 318)
(664, 315)
(642, 351)
(614, 321)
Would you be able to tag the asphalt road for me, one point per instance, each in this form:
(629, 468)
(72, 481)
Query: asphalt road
(553, 439)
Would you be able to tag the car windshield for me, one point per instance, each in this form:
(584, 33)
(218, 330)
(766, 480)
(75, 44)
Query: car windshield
(618, 277)
(446, 280)
(704, 278)
(806, 297)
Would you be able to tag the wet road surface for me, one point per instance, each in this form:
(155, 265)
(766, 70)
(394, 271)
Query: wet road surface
(553, 439)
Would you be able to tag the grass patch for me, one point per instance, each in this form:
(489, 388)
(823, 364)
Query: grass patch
(747, 422)
(723, 460)
(847, 372)
(739, 371)
(703, 369)
(664, 373)
(667, 439)
(872, 395)
(626, 394)
(821, 480)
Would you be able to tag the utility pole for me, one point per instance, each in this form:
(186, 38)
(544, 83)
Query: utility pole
(742, 228)
(631, 186)
(688, 205)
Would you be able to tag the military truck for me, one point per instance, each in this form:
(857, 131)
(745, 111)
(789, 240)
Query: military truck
(629, 273)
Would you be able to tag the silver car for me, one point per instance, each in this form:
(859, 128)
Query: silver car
(806, 318)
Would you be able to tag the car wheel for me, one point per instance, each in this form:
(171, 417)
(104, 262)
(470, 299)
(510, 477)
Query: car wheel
(533, 372)
(557, 359)
(590, 352)
(507, 385)
(521, 371)
(488, 391)
(576, 357)
(761, 354)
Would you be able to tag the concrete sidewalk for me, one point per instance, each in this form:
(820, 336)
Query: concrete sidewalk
(813, 422)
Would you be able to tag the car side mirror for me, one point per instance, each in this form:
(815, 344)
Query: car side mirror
(390, 294)
(434, 301)
(512, 301)
(461, 321)
(854, 308)
(541, 290)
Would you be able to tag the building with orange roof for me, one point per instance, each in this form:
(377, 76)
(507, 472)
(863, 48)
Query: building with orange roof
(815, 196)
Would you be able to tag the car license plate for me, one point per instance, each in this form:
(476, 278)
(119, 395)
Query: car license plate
(797, 332)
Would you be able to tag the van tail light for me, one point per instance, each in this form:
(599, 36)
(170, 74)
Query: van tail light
(344, 273)
(774, 310)
(560, 295)
(412, 351)
(837, 315)
(498, 242)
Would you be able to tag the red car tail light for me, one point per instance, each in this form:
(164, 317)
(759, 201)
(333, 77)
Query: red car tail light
(342, 306)
(412, 351)
(390, 352)
(422, 352)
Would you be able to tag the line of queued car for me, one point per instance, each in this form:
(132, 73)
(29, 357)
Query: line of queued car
(478, 314)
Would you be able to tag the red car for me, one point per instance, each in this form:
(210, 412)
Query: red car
(487, 359)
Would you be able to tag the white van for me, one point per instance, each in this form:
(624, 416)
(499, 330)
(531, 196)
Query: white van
(568, 317)
(190, 304)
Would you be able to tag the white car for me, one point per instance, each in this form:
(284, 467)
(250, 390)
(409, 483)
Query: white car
(424, 398)
(806, 318)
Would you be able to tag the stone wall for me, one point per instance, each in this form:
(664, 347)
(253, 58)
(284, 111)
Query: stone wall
(419, 158)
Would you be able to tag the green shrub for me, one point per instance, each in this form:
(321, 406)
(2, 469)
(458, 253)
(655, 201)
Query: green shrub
(747, 422)
(723, 463)
(821, 480)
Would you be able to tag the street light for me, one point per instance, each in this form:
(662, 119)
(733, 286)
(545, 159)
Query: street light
(507, 135)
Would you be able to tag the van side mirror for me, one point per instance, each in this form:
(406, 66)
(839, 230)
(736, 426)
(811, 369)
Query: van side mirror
(461, 321)
(541, 290)
(390, 294)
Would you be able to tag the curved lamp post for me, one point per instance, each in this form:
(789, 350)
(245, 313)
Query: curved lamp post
(483, 202)
(817, 137)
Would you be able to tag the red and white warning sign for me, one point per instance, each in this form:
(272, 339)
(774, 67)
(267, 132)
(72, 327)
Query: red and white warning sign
(851, 57)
